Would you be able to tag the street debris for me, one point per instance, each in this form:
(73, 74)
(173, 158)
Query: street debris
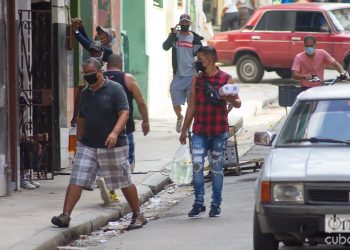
(152, 209)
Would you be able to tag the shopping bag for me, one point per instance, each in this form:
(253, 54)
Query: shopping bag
(181, 166)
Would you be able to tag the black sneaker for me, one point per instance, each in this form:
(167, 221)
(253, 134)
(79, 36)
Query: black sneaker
(197, 209)
(215, 211)
(61, 221)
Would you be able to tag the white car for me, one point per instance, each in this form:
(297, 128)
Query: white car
(303, 190)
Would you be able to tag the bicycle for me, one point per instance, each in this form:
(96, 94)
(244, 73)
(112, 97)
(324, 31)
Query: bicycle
(288, 93)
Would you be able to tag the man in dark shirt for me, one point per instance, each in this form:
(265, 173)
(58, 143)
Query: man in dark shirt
(102, 144)
(114, 72)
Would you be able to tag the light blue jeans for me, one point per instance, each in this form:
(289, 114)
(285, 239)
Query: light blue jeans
(215, 146)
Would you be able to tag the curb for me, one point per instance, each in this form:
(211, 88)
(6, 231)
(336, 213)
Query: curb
(51, 237)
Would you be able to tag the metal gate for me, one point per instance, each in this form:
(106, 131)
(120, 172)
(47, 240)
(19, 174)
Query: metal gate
(35, 94)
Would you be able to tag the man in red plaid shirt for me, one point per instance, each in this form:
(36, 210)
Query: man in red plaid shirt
(210, 127)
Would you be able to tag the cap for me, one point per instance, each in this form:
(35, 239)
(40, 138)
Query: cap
(185, 17)
(96, 45)
(109, 32)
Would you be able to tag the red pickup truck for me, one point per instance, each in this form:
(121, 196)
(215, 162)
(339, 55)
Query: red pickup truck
(274, 35)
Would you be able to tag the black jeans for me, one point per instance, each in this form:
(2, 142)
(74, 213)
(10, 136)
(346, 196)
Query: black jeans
(230, 21)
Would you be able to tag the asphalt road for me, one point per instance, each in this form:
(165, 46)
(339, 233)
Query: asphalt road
(174, 230)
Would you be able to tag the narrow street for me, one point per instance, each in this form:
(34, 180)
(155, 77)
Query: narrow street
(170, 228)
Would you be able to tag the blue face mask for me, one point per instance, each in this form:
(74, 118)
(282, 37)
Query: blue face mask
(310, 50)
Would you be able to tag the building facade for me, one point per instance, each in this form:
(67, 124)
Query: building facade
(40, 72)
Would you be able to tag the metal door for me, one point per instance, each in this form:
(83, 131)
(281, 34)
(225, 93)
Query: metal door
(35, 94)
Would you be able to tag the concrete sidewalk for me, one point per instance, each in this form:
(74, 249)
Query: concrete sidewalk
(25, 216)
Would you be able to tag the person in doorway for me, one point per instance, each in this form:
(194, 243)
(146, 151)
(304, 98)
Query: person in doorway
(104, 35)
(30, 149)
(184, 44)
(114, 72)
(310, 64)
(102, 144)
(210, 128)
(229, 16)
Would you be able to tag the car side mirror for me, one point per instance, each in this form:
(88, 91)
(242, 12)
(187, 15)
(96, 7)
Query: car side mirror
(264, 138)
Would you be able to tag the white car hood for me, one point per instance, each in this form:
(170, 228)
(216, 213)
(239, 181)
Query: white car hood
(309, 164)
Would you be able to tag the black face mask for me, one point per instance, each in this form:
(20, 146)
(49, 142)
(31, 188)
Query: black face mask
(200, 67)
(185, 28)
(91, 79)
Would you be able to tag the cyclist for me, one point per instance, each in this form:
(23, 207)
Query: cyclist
(310, 64)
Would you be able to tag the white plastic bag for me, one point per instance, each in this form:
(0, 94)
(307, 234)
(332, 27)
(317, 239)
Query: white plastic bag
(181, 166)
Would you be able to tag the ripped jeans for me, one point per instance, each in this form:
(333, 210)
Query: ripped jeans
(215, 146)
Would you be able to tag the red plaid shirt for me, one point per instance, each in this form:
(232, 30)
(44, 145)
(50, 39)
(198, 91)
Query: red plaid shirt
(210, 119)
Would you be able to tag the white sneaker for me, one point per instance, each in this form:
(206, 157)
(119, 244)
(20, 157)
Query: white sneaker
(34, 183)
(100, 182)
(26, 185)
(179, 124)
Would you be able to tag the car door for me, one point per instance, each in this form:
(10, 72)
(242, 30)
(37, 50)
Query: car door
(313, 23)
(271, 38)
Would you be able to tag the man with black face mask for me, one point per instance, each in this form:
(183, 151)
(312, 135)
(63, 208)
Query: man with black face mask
(184, 44)
(102, 144)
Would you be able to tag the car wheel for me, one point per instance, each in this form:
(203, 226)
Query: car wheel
(262, 241)
(284, 73)
(249, 69)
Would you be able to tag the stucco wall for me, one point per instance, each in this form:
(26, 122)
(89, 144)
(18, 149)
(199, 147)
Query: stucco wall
(158, 24)
(134, 24)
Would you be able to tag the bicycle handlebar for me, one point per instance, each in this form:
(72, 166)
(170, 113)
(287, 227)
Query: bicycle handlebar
(341, 77)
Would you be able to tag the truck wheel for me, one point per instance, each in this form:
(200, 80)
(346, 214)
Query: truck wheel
(262, 241)
(249, 69)
(284, 73)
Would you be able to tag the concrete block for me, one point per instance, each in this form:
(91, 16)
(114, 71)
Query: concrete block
(156, 182)
(144, 192)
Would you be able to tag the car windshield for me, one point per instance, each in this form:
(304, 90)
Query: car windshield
(323, 122)
(340, 19)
